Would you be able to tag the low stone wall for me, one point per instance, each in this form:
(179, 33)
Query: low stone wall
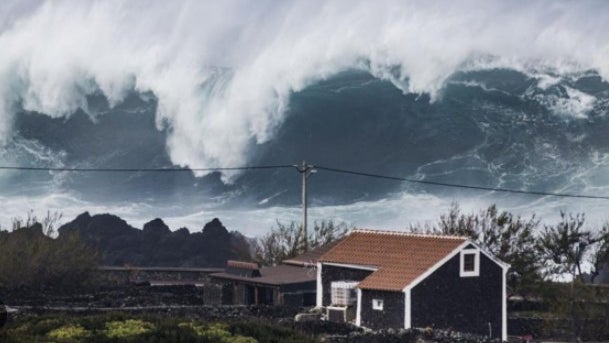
(561, 329)
(202, 313)
(123, 296)
(345, 333)
(118, 276)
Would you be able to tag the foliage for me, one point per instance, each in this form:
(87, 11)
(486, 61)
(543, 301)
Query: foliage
(577, 311)
(48, 222)
(69, 333)
(121, 327)
(565, 245)
(266, 332)
(127, 328)
(534, 254)
(507, 237)
(599, 255)
(286, 241)
(216, 332)
(31, 256)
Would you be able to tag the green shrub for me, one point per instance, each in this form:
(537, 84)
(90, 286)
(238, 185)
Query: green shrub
(128, 328)
(264, 332)
(125, 327)
(216, 333)
(69, 332)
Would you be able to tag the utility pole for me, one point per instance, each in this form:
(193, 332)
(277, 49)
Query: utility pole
(305, 170)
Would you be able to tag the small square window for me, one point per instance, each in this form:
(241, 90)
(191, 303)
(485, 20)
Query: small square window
(377, 304)
(470, 263)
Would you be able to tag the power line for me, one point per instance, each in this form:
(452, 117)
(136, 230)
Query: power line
(453, 185)
(133, 170)
(329, 169)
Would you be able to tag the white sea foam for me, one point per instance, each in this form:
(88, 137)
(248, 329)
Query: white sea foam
(223, 71)
(572, 104)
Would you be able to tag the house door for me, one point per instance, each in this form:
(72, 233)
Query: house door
(250, 295)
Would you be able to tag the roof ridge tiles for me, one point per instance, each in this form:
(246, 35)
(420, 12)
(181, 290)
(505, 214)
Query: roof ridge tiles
(408, 234)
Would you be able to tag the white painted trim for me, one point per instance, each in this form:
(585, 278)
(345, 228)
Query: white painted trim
(436, 266)
(415, 282)
(358, 313)
(340, 292)
(408, 234)
(378, 304)
(338, 308)
(502, 264)
(504, 332)
(407, 309)
(351, 266)
(476, 271)
(320, 290)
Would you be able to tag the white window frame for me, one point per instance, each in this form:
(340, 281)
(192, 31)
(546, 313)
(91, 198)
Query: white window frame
(378, 304)
(344, 286)
(476, 271)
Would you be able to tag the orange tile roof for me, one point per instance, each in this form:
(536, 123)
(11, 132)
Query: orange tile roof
(242, 265)
(400, 257)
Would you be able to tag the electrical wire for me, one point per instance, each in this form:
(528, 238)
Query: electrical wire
(329, 169)
(454, 185)
(135, 170)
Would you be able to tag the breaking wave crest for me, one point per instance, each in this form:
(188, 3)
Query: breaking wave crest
(224, 72)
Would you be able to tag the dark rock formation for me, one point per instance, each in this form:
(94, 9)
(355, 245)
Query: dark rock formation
(156, 227)
(156, 245)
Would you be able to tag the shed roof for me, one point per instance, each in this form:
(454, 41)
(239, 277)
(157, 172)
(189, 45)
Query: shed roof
(275, 276)
(312, 256)
(399, 257)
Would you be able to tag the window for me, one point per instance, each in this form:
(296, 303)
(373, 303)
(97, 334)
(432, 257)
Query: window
(377, 304)
(343, 293)
(470, 263)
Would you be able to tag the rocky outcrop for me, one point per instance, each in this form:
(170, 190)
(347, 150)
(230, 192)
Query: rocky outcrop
(156, 245)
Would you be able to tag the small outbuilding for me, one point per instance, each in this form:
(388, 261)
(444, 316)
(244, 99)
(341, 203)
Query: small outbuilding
(385, 279)
(291, 283)
(245, 283)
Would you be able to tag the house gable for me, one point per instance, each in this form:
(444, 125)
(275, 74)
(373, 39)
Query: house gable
(445, 299)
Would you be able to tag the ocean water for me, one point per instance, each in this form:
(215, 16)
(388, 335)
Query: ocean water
(482, 93)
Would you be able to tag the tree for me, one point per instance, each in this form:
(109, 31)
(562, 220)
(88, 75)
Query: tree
(286, 241)
(30, 255)
(599, 256)
(509, 238)
(566, 245)
(48, 222)
(512, 239)
(458, 224)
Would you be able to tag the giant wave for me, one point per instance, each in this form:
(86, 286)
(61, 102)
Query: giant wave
(483, 93)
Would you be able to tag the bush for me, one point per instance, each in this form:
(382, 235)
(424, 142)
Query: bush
(128, 328)
(69, 333)
(31, 256)
(121, 327)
